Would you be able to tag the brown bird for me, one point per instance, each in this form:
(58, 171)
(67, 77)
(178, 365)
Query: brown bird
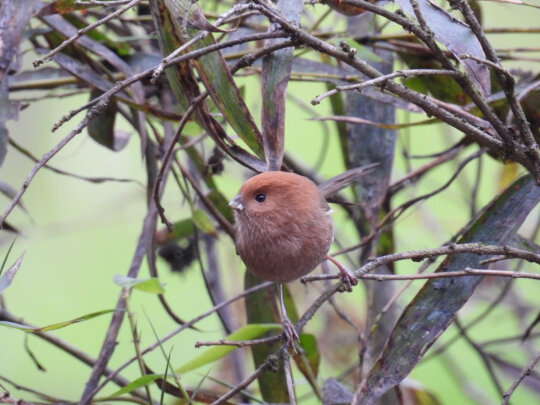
(284, 230)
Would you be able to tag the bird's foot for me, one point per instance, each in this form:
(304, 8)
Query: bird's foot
(290, 334)
(346, 275)
(348, 278)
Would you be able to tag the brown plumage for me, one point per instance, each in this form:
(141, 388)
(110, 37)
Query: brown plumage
(283, 226)
(284, 229)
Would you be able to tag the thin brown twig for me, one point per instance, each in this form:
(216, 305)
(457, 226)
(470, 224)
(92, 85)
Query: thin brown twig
(288, 377)
(480, 136)
(167, 158)
(236, 9)
(524, 373)
(183, 327)
(419, 255)
(66, 347)
(462, 273)
(506, 80)
(270, 362)
(240, 343)
(141, 75)
(381, 80)
(83, 31)
(422, 170)
(48, 156)
(100, 3)
(486, 62)
(30, 156)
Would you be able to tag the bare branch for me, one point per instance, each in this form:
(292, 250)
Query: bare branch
(382, 80)
(83, 31)
(524, 373)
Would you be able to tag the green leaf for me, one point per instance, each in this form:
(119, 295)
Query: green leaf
(261, 307)
(101, 128)
(247, 332)
(182, 229)
(203, 222)
(149, 285)
(55, 326)
(169, 16)
(137, 383)
(309, 359)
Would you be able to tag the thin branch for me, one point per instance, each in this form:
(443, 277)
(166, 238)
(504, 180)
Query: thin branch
(463, 273)
(83, 31)
(29, 155)
(48, 156)
(483, 355)
(288, 377)
(240, 343)
(183, 327)
(415, 175)
(167, 158)
(236, 9)
(419, 255)
(516, 150)
(505, 78)
(109, 343)
(381, 80)
(524, 373)
(100, 3)
(269, 363)
(66, 347)
(489, 63)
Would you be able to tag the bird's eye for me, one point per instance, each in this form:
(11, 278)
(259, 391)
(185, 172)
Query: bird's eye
(260, 197)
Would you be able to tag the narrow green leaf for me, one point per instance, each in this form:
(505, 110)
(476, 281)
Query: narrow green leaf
(101, 128)
(309, 359)
(247, 332)
(182, 229)
(149, 285)
(173, 29)
(55, 326)
(73, 321)
(203, 222)
(261, 307)
(137, 383)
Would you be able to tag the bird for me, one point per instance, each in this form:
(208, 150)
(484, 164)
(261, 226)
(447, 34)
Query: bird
(284, 230)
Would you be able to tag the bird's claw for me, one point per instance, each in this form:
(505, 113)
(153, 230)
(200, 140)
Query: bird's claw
(290, 333)
(348, 278)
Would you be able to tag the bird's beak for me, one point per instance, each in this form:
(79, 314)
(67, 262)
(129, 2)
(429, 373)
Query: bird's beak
(236, 203)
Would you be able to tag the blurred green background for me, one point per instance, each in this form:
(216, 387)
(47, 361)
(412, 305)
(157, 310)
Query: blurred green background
(80, 234)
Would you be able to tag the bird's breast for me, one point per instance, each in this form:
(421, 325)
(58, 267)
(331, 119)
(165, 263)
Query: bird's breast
(283, 251)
